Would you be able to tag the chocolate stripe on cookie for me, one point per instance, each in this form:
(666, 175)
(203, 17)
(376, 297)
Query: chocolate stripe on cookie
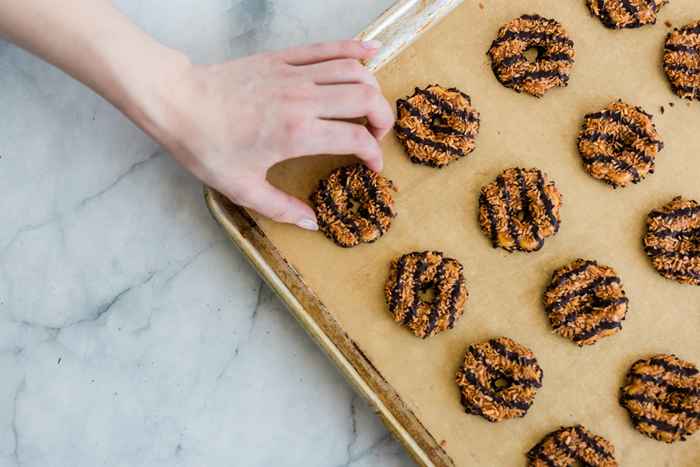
(421, 267)
(511, 404)
(435, 306)
(582, 292)
(406, 132)
(400, 281)
(677, 369)
(631, 10)
(665, 384)
(535, 75)
(335, 212)
(675, 214)
(618, 164)
(588, 309)
(548, 205)
(666, 406)
(567, 276)
(446, 107)
(592, 442)
(528, 36)
(671, 254)
(427, 120)
(658, 424)
(683, 48)
(678, 234)
(454, 296)
(515, 357)
(505, 194)
(617, 117)
(527, 208)
(604, 325)
(483, 200)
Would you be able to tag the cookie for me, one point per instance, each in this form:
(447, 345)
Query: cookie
(499, 379)
(520, 209)
(551, 67)
(619, 144)
(672, 240)
(682, 60)
(411, 277)
(436, 125)
(585, 302)
(354, 205)
(662, 396)
(572, 445)
(626, 14)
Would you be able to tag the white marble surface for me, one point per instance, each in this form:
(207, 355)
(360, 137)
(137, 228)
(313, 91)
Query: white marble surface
(131, 332)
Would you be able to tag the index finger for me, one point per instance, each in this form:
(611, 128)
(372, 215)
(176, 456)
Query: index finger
(325, 51)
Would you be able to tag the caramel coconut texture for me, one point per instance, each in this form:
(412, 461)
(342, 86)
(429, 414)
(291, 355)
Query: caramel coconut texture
(555, 55)
(437, 126)
(417, 272)
(585, 302)
(662, 396)
(520, 209)
(682, 61)
(672, 240)
(619, 144)
(354, 205)
(626, 14)
(499, 379)
(572, 445)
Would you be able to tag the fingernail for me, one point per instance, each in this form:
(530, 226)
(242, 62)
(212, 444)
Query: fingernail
(308, 224)
(373, 44)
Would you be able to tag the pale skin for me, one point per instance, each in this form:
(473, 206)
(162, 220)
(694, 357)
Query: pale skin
(226, 123)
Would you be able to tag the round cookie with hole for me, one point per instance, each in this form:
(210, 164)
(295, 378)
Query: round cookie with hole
(520, 209)
(426, 292)
(619, 144)
(662, 395)
(437, 125)
(532, 54)
(354, 205)
(585, 302)
(499, 379)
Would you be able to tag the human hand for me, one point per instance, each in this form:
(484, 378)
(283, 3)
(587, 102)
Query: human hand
(229, 123)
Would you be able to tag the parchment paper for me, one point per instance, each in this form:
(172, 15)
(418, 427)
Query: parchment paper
(438, 210)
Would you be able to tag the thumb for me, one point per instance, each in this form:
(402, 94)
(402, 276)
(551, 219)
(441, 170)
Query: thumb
(281, 207)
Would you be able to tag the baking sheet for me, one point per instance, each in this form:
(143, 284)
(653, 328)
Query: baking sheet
(438, 210)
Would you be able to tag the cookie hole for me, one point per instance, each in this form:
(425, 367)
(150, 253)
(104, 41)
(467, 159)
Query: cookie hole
(577, 463)
(438, 120)
(500, 384)
(521, 216)
(427, 295)
(353, 207)
(533, 54)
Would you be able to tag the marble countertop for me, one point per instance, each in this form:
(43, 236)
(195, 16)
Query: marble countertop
(132, 333)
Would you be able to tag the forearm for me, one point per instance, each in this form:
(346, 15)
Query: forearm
(96, 44)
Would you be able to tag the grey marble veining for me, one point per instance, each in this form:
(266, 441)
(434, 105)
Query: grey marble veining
(131, 332)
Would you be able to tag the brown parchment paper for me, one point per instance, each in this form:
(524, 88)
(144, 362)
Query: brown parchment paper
(438, 210)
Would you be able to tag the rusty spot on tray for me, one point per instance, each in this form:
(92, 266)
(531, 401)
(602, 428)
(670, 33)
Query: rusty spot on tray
(668, 24)
(481, 6)
(663, 110)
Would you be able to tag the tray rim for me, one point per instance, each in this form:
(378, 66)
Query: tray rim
(398, 27)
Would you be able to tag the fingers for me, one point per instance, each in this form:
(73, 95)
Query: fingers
(355, 101)
(326, 51)
(336, 137)
(277, 205)
(344, 71)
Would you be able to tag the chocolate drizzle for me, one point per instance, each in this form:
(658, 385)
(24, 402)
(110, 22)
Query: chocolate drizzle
(417, 272)
(662, 396)
(672, 240)
(585, 302)
(437, 125)
(619, 145)
(683, 48)
(573, 444)
(498, 379)
(554, 61)
(517, 211)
